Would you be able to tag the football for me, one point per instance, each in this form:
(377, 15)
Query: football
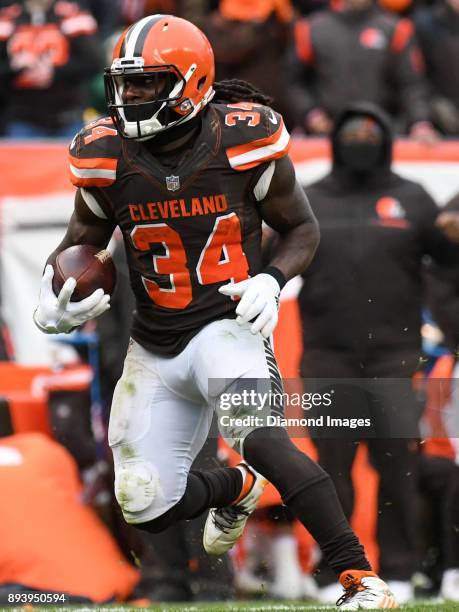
(91, 267)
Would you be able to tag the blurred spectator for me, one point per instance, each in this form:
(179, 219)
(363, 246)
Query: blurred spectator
(357, 53)
(48, 50)
(249, 38)
(107, 14)
(305, 7)
(361, 310)
(51, 542)
(193, 10)
(196, 11)
(437, 28)
(402, 7)
(133, 10)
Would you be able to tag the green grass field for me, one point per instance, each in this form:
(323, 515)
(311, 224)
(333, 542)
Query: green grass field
(272, 606)
(239, 606)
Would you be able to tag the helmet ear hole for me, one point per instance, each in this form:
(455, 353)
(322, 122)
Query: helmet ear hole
(201, 82)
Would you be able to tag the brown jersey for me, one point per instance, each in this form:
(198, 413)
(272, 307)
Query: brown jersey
(187, 231)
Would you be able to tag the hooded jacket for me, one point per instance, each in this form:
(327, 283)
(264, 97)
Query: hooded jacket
(363, 292)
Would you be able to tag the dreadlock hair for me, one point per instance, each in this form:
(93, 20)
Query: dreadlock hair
(236, 90)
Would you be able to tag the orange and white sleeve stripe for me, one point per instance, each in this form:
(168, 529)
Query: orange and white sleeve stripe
(251, 154)
(92, 172)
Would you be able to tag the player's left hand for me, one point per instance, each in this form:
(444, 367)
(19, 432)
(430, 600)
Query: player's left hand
(259, 302)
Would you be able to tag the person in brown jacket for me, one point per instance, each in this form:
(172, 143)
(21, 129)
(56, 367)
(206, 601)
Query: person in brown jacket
(249, 38)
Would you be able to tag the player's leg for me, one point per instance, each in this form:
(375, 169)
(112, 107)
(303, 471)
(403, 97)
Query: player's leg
(336, 457)
(234, 363)
(157, 427)
(232, 359)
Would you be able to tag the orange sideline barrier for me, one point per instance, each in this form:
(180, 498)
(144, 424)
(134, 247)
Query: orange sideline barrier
(41, 167)
(26, 389)
(33, 169)
(303, 149)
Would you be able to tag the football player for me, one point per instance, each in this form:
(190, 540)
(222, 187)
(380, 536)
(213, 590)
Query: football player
(188, 169)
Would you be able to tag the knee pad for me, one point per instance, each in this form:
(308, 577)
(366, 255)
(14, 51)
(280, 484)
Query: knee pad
(136, 486)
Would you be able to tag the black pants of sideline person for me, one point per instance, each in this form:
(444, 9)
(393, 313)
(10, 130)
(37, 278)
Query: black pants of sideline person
(393, 447)
(439, 486)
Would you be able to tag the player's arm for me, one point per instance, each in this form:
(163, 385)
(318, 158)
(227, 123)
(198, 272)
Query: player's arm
(57, 314)
(85, 227)
(286, 209)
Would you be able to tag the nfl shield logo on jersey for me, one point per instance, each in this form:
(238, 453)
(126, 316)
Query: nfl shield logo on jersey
(173, 182)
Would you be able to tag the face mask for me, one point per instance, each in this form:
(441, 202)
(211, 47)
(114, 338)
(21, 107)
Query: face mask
(360, 156)
(359, 144)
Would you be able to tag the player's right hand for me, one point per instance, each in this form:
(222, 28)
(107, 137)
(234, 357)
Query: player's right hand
(57, 314)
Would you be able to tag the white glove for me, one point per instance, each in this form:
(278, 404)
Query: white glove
(259, 298)
(56, 315)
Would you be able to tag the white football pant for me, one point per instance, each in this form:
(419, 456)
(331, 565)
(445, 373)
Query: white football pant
(163, 407)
